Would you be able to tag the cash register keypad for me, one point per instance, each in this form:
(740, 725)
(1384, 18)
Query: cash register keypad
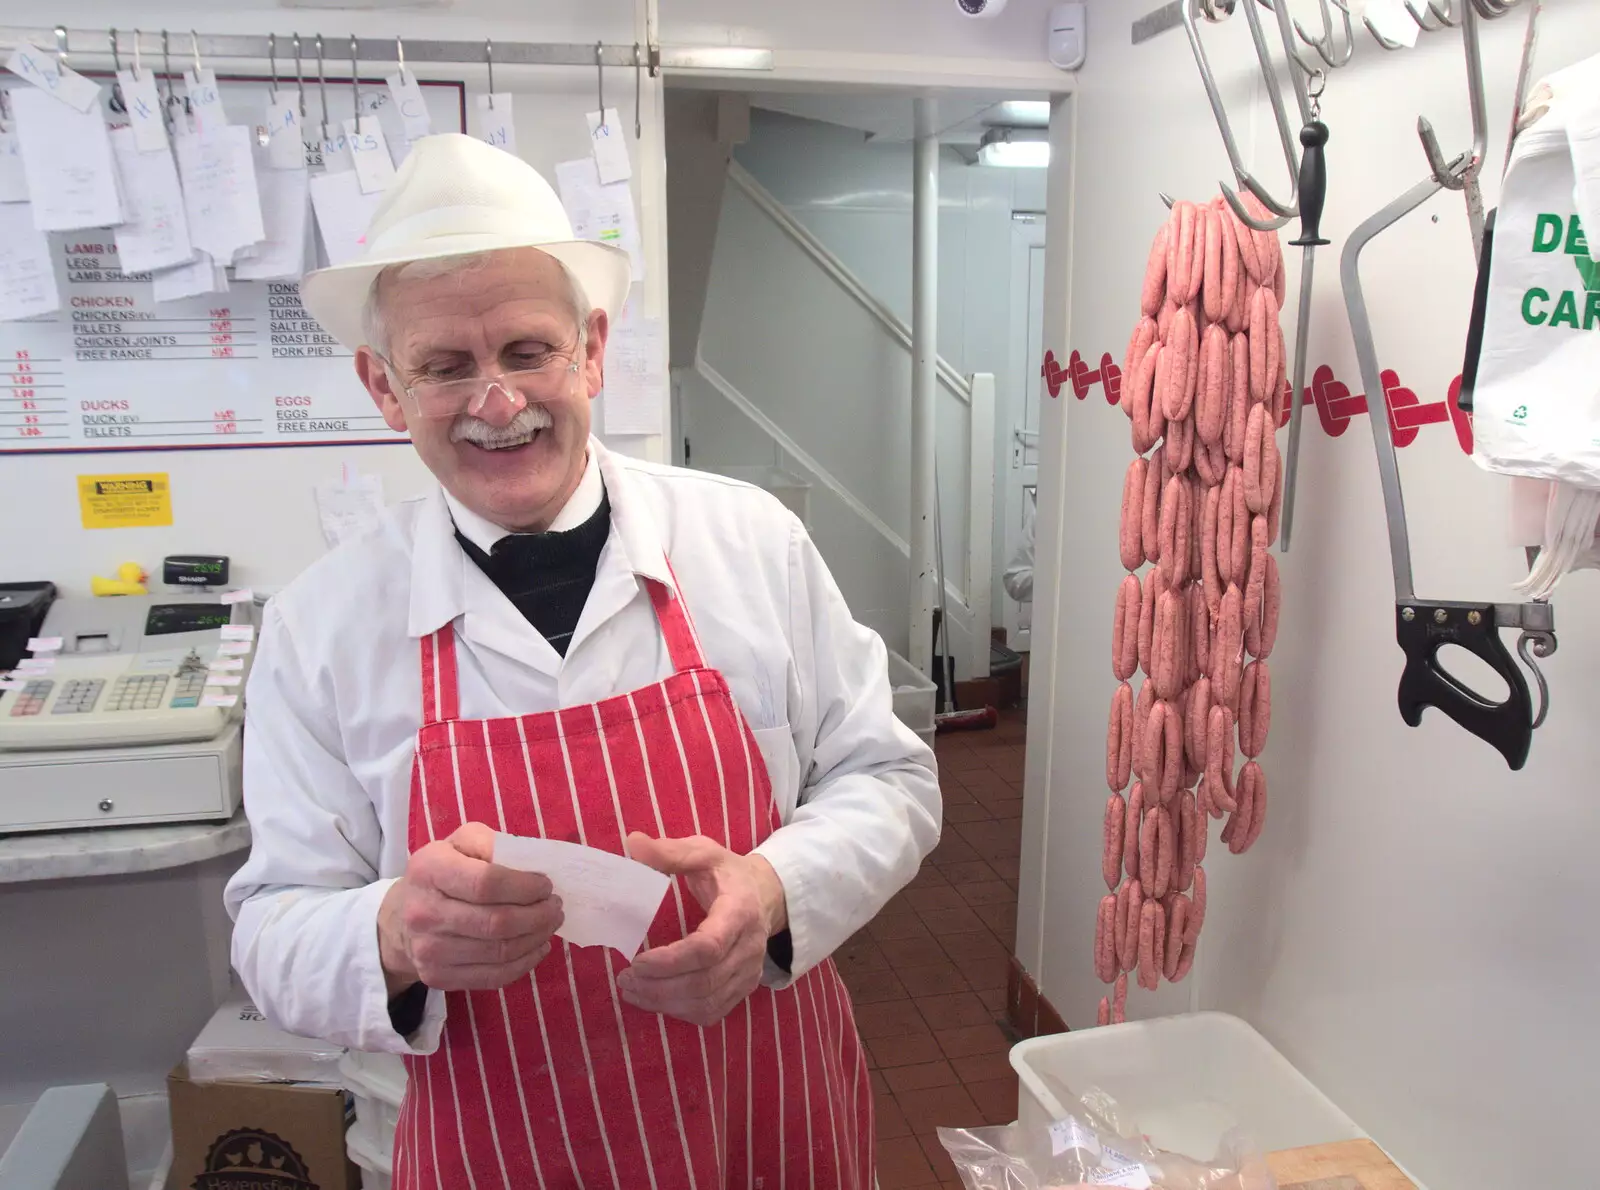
(138, 692)
(78, 696)
(31, 698)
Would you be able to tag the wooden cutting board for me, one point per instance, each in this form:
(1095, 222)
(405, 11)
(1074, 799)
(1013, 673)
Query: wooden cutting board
(1348, 1165)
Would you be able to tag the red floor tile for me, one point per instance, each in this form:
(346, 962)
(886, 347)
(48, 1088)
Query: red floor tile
(902, 1164)
(983, 945)
(922, 1076)
(1002, 919)
(1006, 808)
(890, 1120)
(994, 999)
(952, 848)
(934, 1150)
(906, 1050)
(890, 1019)
(928, 877)
(972, 1041)
(880, 1086)
(962, 920)
(983, 1068)
(933, 980)
(892, 927)
(965, 812)
(996, 1099)
(1007, 869)
(938, 1107)
(962, 760)
(968, 873)
(983, 974)
(928, 900)
(874, 987)
(987, 892)
(914, 952)
(953, 1011)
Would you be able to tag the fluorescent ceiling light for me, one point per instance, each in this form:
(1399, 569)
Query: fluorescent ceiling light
(1015, 153)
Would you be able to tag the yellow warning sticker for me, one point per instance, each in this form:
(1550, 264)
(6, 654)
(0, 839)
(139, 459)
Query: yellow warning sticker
(125, 501)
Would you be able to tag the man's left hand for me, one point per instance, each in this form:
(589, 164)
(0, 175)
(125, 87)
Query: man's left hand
(705, 976)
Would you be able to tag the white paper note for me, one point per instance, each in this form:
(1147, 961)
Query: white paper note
(495, 122)
(636, 377)
(606, 899)
(234, 648)
(370, 150)
(223, 679)
(349, 507)
(239, 632)
(44, 644)
(226, 665)
(72, 176)
(219, 700)
(343, 214)
(205, 101)
(285, 214)
(144, 110)
(408, 101)
(27, 274)
(219, 190)
(600, 212)
(13, 181)
(238, 595)
(186, 280)
(156, 235)
(13, 683)
(36, 666)
(336, 157)
(610, 146)
(46, 73)
(286, 148)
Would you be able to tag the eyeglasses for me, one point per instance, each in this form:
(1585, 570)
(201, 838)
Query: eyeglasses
(469, 394)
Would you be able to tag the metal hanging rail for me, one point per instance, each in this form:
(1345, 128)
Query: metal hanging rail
(466, 53)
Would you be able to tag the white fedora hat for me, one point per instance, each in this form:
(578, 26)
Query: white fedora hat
(453, 196)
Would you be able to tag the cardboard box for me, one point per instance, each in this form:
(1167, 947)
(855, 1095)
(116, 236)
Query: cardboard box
(257, 1136)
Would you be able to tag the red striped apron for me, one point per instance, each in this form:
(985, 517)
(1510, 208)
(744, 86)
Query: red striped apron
(554, 1081)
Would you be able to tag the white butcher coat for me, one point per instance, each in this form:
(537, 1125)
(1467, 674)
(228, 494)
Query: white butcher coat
(334, 703)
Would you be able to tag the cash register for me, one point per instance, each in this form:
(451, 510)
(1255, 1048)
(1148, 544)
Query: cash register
(127, 712)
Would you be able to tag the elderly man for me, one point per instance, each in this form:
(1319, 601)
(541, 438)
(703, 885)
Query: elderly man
(556, 641)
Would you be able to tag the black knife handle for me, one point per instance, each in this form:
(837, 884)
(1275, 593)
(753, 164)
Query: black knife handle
(1313, 185)
(1480, 307)
(1422, 630)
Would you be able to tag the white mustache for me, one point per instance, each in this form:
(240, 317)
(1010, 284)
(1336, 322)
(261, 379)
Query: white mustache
(519, 429)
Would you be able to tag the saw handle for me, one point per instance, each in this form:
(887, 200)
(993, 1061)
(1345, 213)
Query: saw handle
(1422, 630)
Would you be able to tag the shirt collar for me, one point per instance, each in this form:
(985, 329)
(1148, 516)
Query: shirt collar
(580, 506)
(439, 564)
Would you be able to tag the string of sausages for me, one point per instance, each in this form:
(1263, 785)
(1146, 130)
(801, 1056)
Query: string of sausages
(1203, 383)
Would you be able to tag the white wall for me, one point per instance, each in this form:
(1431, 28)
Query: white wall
(1412, 928)
(855, 196)
(823, 368)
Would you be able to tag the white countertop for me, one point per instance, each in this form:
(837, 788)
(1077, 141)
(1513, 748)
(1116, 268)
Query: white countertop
(116, 851)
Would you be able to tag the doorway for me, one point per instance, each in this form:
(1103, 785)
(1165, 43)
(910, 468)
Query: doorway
(1020, 411)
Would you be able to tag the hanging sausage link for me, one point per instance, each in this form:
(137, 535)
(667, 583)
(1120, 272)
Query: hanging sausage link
(1204, 381)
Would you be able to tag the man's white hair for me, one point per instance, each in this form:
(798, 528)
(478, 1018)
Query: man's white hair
(376, 324)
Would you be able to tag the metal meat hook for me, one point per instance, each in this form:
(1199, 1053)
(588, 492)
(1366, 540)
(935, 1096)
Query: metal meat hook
(1285, 211)
(1461, 172)
(1324, 45)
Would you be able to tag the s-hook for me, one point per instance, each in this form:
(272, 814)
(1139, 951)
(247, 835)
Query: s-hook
(116, 103)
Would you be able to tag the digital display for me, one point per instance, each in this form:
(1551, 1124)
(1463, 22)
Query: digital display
(165, 619)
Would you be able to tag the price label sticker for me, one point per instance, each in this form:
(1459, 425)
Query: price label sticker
(216, 679)
(46, 73)
(44, 644)
(226, 665)
(234, 648)
(1069, 1134)
(238, 632)
(242, 595)
(36, 666)
(219, 700)
(205, 100)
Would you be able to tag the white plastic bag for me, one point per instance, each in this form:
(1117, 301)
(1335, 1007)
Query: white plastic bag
(1537, 402)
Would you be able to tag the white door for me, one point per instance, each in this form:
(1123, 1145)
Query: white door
(1021, 424)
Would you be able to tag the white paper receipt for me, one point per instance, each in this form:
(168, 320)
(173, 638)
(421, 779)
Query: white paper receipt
(608, 900)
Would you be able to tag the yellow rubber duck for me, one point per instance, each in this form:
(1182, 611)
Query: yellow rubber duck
(130, 580)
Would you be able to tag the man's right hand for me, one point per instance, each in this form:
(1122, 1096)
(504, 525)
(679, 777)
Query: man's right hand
(456, 920)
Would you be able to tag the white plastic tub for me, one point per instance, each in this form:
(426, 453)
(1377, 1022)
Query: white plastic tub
(377, 1168)
(377, 1083)
(913, 696)
(1184, 1080)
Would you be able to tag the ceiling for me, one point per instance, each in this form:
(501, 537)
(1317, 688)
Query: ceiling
(959, 119)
